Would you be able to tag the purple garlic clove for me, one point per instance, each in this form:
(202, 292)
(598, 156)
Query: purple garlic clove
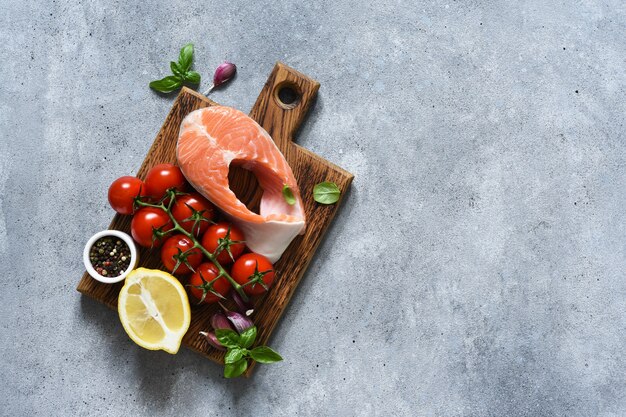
(212, 339)
(223, 73)
(240, 322)
(219, 321)
(244, 307)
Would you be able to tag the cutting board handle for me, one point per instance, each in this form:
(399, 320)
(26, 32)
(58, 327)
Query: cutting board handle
(283, 103)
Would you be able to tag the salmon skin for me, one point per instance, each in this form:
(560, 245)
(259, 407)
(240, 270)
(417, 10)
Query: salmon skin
(213, 138)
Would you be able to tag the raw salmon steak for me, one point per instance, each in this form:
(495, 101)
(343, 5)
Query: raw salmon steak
(213, 138)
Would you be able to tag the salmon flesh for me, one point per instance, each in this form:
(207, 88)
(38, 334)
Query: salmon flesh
(213, 138)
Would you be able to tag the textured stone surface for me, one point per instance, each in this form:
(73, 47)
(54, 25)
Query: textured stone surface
(477, 267)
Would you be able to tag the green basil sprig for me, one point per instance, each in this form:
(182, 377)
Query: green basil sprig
(181, 71)
(326, 192)
(238, 352)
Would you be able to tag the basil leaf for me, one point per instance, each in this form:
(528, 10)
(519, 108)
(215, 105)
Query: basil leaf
(233, 370)
(264, 354)
(227, 337)
(193, 77)
(326, 193)
(176, 70)
(167, 84)
(233, 355)
(288, 195)
(185, 58)
(248, 337)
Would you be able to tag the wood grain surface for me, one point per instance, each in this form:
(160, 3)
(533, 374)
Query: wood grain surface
(281, 120)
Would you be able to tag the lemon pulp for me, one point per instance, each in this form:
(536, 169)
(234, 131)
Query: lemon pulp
(154, 309)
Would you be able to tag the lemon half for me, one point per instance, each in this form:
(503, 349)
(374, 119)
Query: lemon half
(154, 309)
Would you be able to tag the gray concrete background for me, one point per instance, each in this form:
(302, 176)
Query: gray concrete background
(477, 267)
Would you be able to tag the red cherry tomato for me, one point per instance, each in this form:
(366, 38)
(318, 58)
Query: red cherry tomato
(251, 267)
(161, 178)
(174, 249)
(197, 287)
(122, 193)
(183, 209)
(220, 236)
(146, 219)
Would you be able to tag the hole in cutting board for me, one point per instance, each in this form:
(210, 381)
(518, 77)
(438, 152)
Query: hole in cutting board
(246, 187)
(287, 95)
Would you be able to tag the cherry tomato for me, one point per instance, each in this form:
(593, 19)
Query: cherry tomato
(174, 251)
(146, 219)
(122, 193)
(183, 209)
(220, 237)
(209, 273)
(252, 267)
(161, 178)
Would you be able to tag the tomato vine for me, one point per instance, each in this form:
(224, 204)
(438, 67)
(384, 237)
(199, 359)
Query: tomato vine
(170, 197)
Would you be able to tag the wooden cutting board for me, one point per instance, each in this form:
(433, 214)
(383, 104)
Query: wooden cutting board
(280, 108)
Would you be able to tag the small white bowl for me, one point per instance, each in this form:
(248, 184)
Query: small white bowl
(134, 258)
